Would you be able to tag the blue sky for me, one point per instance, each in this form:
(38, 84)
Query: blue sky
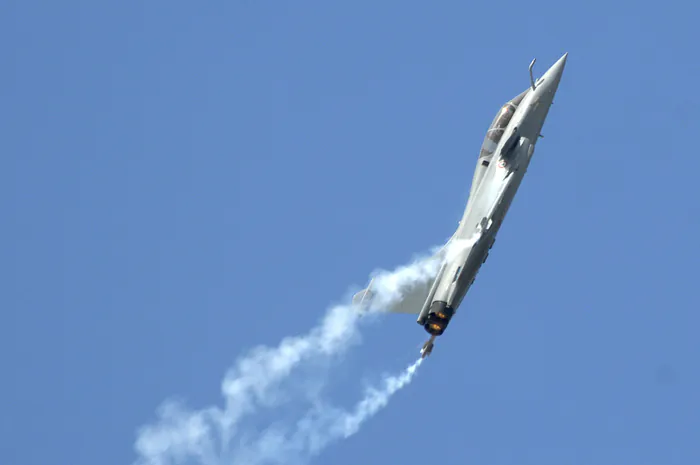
(183, 182)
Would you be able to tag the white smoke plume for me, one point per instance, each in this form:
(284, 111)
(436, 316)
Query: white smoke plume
(321, 425)
(376, 399)
(263, 379)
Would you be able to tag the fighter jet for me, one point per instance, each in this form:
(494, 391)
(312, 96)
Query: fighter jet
(503, 160)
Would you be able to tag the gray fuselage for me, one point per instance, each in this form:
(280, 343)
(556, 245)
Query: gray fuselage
(499, 172)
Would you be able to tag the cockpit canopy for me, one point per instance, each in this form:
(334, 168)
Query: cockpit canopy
(498, 126)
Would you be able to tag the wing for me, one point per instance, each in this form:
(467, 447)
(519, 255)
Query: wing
(412, 300)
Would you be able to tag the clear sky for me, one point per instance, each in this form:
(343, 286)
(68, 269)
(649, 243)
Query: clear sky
(183, 181)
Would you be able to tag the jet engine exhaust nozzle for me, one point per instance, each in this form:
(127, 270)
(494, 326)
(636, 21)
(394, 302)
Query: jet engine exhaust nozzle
(438, 318)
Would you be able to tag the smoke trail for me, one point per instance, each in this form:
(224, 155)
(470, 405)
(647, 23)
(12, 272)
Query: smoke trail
(214, 435)
(375, 400)
(321, 425)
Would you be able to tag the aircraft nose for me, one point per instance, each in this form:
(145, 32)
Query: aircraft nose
(554, 73)
(549, 82)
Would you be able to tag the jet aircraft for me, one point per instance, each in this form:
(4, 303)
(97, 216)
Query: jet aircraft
(504, 158)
